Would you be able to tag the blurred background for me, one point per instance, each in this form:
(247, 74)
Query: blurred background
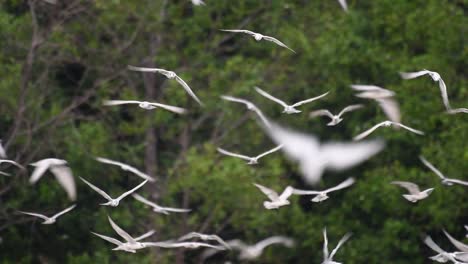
(58, 62)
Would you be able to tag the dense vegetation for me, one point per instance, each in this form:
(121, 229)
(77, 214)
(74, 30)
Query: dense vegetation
(59, 62)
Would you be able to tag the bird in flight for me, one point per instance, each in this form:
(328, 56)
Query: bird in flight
(252, 160)
(157, 208)
(335, 119)
(385, 124)
(126, 167)
(250, 106)
(415, 194)
(50, 220)
(383, 97)
(120, 245)
(322, 195)
(258, 37)
(276, 201)
(442, 256)
(146, 105)
(169, 75)
(289, 109)
(445, 180)
(204, 237)
(328, 258)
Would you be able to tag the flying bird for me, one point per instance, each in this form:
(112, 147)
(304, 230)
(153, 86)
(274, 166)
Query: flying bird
(169, 75)
(250, 106)
(258, 37)
(383, 97)
(328, 259)
(442, 256)
(113, 202)
(322, 195)
(146, 105)
(315, 157)
(276, 201)
(415, 194)
(157, 208)
(13, 163)
(50, 220)
(171, 244)
(335, 119)
(435, 77)
(252, 160)
(386, 124)
(126, 167)
(445, 180)
(120, 245)
(61, 171)
(204, 237)
(288, 109)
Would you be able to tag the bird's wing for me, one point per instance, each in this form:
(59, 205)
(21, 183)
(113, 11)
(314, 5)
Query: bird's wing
(125, 194)
(367, 88)
(309, 100)
(267, 95)
(459, 245)
(141, 174)
(112, 162)
(118, 102)
(430, 243)
(12, 162)
(305, 192)
(270, 151)
(350, 181)
(341, 242)
(390, 108)
(409, 128)
(458, 181)
(288, 191)
(189, 236)
(64, 211)
(64, 176)
(187, 89)
(274, 240)
(145, 235)
(325, 244)
(237, 244)
(176, 210)
(225, 152)
(443, 93)
(412, 75)
(411, 187)
(220, 241)
(121, 232)
(340, 156)
(144, 200)
(146, 69)
(239, 31)
(37, 173)
(321, 112)
(458, 110)
(343, 4)
(368, 132)
(262, 117)
(235, 99)
(101, 192)
(110, 239)
(175, 109)
(272, 195)
(350, 108)
(35, 214)
(277, 42)
(431, 167)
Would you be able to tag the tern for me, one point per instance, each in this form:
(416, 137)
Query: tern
(50, 220)
(386, 123)
(276, 201)
(415, 194)
(112, 202)
(435, 77)
(146, 105)
(120, 245)
(258, 37)
(126, 167)
(328, 259)
(61, 171)
(13, 163)
(443, 255)
(335, 119)
(159, 209)
(252, 160)
(204, 237)
(322, 195)
(169, 75)
(445, 180)
(315, 157)
(289, 109)
(383, 97)
(171, 244)
(250, 106)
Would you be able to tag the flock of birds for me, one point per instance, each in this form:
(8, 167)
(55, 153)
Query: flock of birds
(312, 156)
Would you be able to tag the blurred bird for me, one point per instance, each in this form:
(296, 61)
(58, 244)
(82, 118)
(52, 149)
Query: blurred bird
(328, 259)
(258, 37)
(157, 208)
(126, 167)
(445, 180)
(120, 244)
(383, 97)
(335, 119)
(415, 194)
(288, 109)
(252, 160)
(146, 105)
(277, 201)
(169, 75)
(435, 77)
(442, 256)
(385, 124)
(50, 220)
(171, 244)
(204, 237)
(322, 195)
(61, 171)
(249, 105)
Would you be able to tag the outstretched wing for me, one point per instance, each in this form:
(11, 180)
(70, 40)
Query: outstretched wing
(34, 214)
(176, 210)
(340, 156)
(309, 100)
(343, 5)
(277, 42)
(269, 96)
(325, 244)
(110, 239)
(270, 151)
(341, 242)
(239, 31)
(132, 190)
(145, 69)
(409, 128)
(321, 112)
(430, 243)
(288, 191)
(390, 108)
(350, 108)
(431, 167)
(412, 75)
(64, 211)
(37, 173)
(101, 192)
(411, 187)
(64, 176)
(188, 90)
(118, 102)
(175, 109)
(368, 132)
(225, 152)
(274, 240)
(443, 93)
(121, 232)
(144, 200)
(345, 184)
(145, 235)
(272, 195)
(235, 99)
(459, 245)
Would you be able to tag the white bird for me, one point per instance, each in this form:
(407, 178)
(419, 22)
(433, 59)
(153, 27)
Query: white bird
(276, 201)
(169, 75)
(250, 106)
(120, 244)
(314, 157)
(113, 202)
(146, 105)
(171, 244)
(415, 194)
(288, 109)
(383, 97)
(126, 167)
(12, 162)
(343, 5)
(443, 255)
(159, 209)
(252, 160)
(50, 220)
(198, 2)
(61, 171)
(328, 259)
(251, 252)
(335, 119)
(445, 180)
(435, 77)
(386, 123)
(3, 154)
(322, 195)
(458, 244)
(258, 37)
(204, 237)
